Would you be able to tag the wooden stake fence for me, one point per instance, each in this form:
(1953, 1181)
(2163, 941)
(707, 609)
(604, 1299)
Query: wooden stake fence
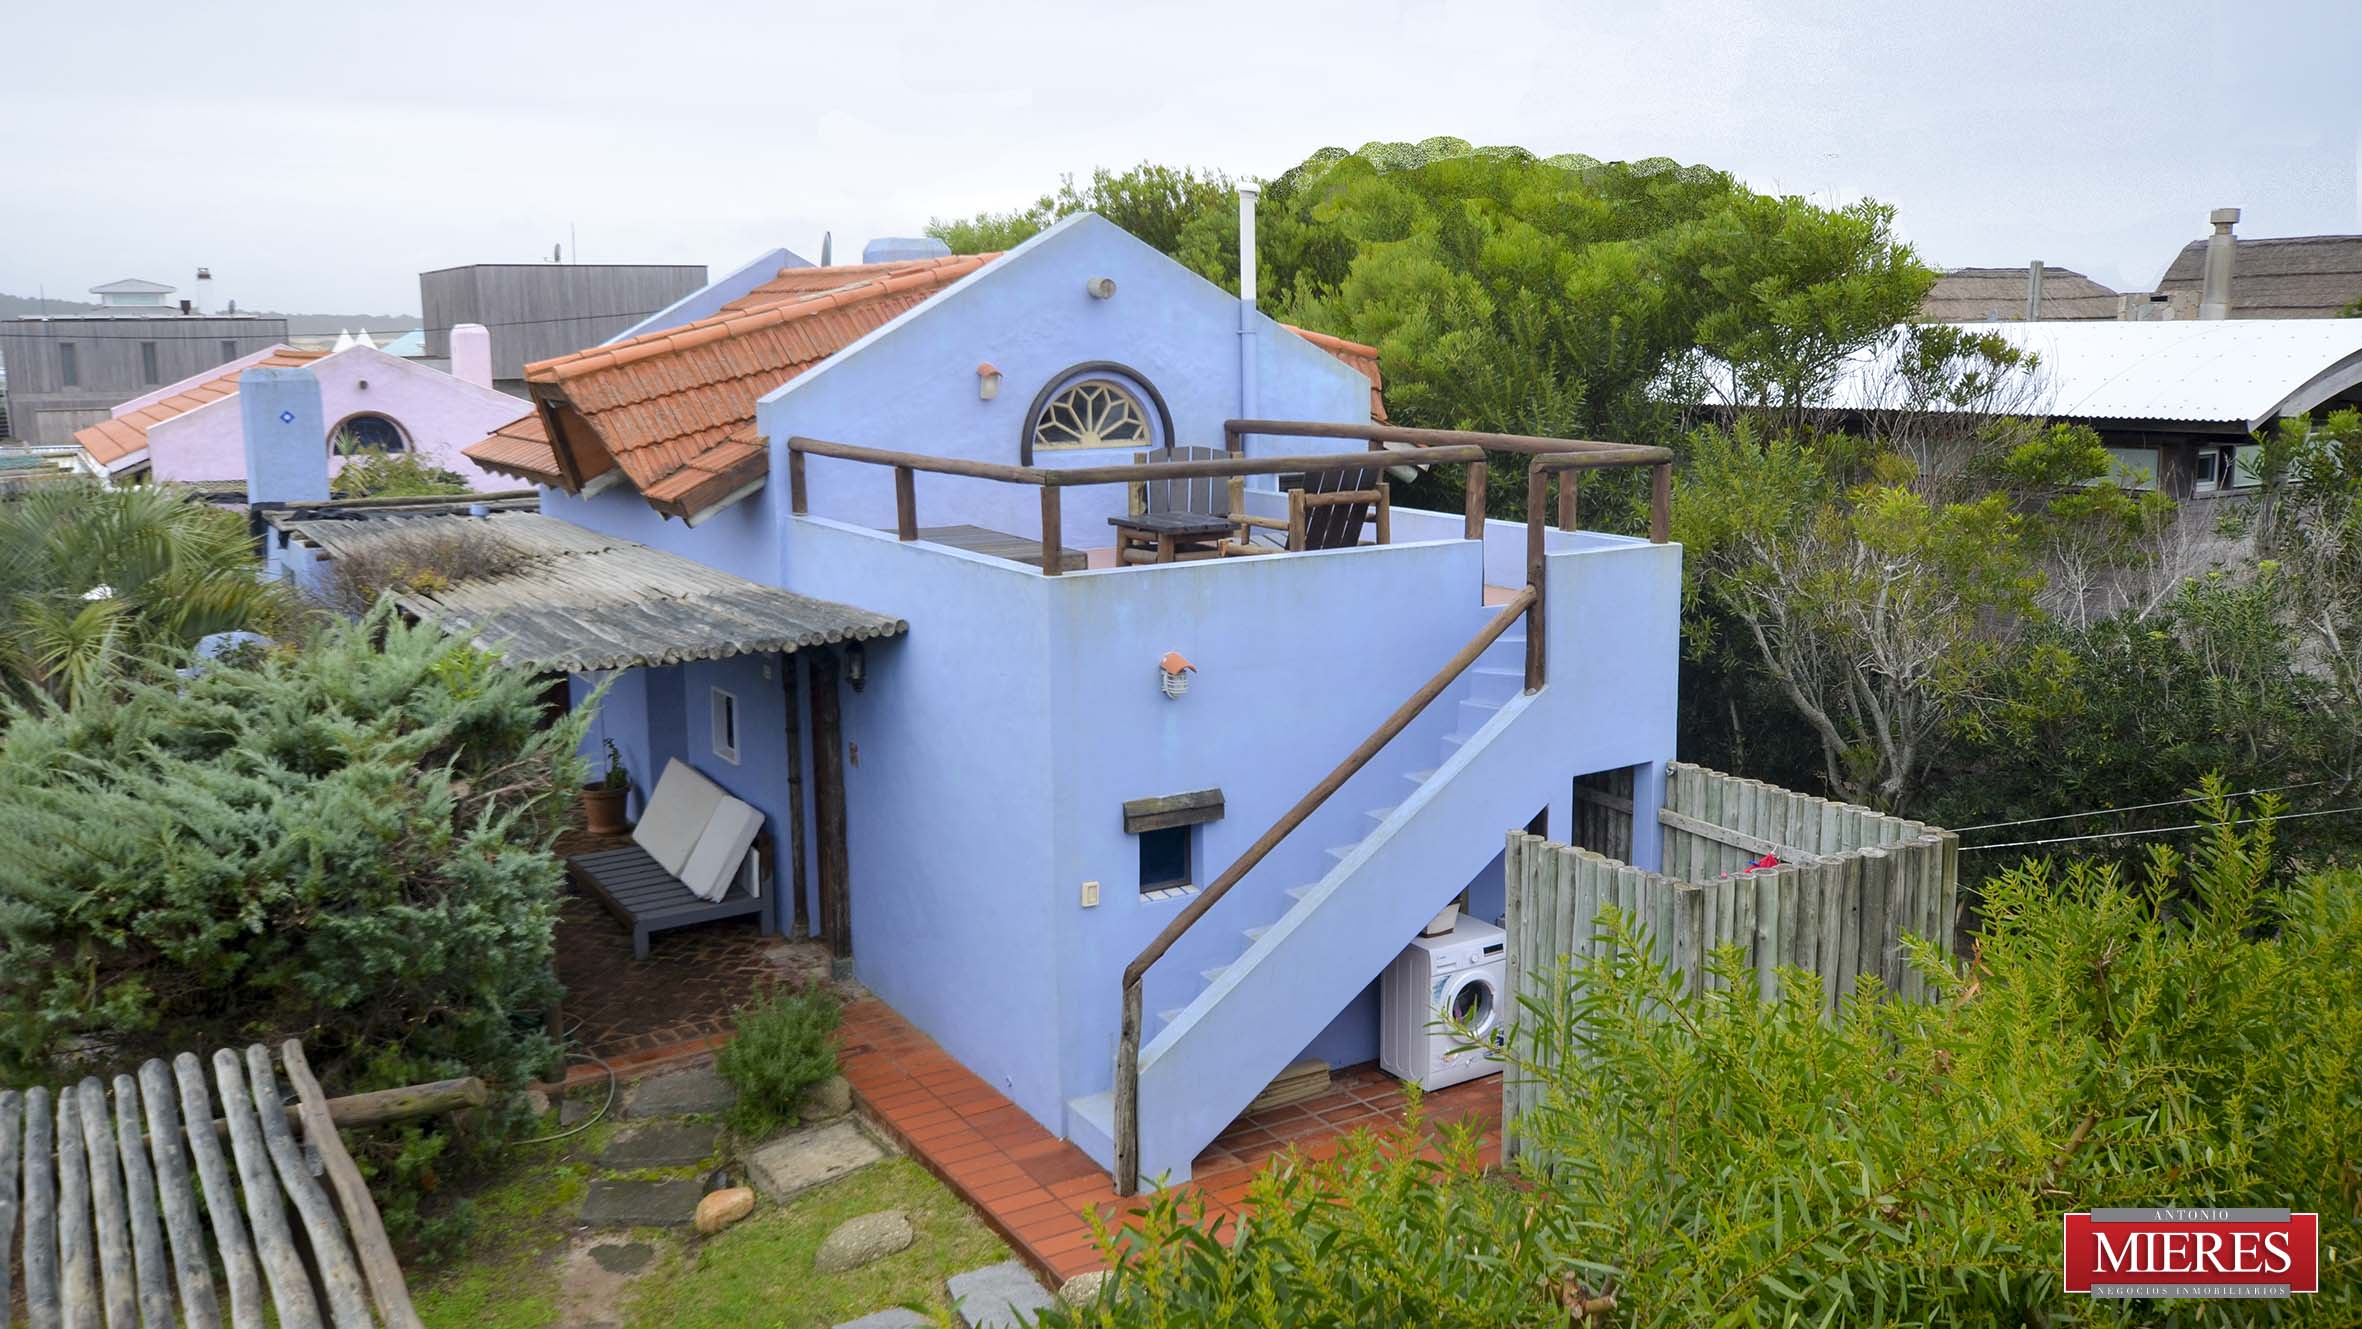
(1850, 884)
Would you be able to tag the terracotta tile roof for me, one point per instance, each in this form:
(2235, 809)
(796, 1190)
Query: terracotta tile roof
(519, 448)
(675, 409)
(1363, 358)
(110, 441)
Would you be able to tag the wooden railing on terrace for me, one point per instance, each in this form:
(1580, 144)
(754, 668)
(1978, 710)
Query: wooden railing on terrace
(1566, 459)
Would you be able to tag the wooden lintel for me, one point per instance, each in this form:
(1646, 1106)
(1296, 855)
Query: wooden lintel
(1725, 835)
(1155, 814)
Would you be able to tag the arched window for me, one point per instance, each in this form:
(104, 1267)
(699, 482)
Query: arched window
(365, 433)
(1097, 405)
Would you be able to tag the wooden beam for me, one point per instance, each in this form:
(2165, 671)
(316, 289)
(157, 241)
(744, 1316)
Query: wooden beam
(1660, 503)
(906, 504)
(799, 499)
(1569, 484)
(1156, 814)
(362, 1221)
(1226, 466)
(796, 879)
(917, 461)
(1478, 472)
(1536, 572)
(1529, 444)
(828, 807)
(1756, 845)
(1053, 532)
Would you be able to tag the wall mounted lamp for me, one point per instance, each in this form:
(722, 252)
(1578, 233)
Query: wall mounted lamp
(988, 382)
(1173, 675)
(1100, 287)
(856, 666)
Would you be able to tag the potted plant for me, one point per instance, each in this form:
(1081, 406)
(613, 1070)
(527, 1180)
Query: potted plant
(602, 799)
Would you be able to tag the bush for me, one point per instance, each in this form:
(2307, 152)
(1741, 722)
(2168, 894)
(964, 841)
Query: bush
(784, 1046)
(416, 562)
(2191, 1035)
(345, 843)
(395, 475)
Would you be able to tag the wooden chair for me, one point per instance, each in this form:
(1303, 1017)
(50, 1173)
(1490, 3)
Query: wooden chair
(145, 1171)
(1327, 512)
(1171, 520)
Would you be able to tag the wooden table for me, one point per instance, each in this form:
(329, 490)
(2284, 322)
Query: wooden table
(1026, 549)
(1164, 537)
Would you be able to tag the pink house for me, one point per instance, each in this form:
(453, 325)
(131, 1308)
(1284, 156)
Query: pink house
(191, 431)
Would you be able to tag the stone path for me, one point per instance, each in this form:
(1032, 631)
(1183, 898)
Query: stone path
(658, 1141)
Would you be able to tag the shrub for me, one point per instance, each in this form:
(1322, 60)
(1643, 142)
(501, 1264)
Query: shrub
(416, 562)
(2188, 1035)
(344, 843)
(394, 475)
(784, 1046)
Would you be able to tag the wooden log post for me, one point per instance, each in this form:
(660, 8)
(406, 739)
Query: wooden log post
(40, 1166)
(139, 1185)
(1478, 473)
(1536, 573)
(191, 1266)
(794, 880)
(77, 1271)
(1127, 1090)
(828, 807)
(1053, 532)
(282, 1265)
(117, 1290)
(798, 497)
(239, 1265)
(362, 1222)
(1569, 486)
(12, 1120)
(906, 504)
(1660, 503)
(332, 1255)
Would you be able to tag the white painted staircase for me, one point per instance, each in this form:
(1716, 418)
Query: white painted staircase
(1206, 1060)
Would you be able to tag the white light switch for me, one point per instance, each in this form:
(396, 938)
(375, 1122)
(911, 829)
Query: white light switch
(1090, 895)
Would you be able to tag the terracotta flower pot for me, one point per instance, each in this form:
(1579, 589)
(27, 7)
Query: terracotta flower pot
(602, 810)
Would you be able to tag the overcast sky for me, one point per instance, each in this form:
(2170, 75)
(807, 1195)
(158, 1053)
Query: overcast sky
(318, 156)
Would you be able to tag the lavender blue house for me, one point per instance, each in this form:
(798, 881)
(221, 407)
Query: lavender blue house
(997, 802)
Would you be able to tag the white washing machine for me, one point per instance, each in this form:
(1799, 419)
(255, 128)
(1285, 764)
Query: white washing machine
(1460, 975)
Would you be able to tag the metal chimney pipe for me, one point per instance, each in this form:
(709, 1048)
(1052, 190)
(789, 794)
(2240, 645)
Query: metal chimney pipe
(2214, 298)
(203, 304)
(2034, 291)
(1248, 396)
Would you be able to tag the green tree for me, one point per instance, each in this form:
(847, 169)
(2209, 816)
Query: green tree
(1154, 203)
(95, 581)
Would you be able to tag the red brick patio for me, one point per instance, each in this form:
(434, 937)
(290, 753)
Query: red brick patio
(1038, 1190)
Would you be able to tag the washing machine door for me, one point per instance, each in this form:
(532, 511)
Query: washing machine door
(1472, 1001)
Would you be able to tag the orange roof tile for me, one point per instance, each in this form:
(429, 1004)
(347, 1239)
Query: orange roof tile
(1363, 358)
(520, 449)
(110, 441)
(675, 408)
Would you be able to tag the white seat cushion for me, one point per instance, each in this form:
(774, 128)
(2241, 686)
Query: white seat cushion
(728, 835)
(676, 815)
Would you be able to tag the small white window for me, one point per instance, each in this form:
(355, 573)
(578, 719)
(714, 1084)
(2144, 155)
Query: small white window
(726, 726)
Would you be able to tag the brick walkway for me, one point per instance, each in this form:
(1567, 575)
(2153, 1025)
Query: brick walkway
(1037, 1189)
(681, 997)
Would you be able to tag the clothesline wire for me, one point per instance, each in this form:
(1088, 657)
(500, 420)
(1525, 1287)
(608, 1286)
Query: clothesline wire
(2132, 807)
(2160, 830)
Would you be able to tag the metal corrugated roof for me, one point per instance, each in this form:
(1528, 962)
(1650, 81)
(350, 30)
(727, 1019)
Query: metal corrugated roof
(2228, 373)
(586, 601)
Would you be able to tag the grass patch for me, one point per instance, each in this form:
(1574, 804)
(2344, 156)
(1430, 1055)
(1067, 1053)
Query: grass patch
(508, 1278)
(753, 1272)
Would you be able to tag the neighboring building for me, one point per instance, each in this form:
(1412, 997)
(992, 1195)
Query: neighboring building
(2303, 276)
(2003, 295)
(193, 431)
(1009, 796)
(2177, 402)
(68, 371)
(539, 310)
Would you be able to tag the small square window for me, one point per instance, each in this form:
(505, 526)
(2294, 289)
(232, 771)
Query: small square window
(725, 712)
(1164, 859)
(229, 350)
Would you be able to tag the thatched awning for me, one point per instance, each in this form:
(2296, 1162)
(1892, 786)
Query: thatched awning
(575, 600)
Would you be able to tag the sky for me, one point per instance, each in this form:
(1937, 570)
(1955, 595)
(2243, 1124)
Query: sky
(318, 156)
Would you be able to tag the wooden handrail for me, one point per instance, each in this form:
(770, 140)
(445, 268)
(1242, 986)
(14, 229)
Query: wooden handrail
(1529, 444)
(1127, 1057)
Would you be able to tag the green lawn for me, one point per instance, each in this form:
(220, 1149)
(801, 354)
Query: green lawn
(751, 1273)
(757, 1273)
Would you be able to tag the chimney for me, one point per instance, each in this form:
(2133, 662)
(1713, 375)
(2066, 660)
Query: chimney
(1250, 396)
(471, 354)
(2214, 299)
(2034, 291)
(1248, 195)
(203, 304)
(286, 435)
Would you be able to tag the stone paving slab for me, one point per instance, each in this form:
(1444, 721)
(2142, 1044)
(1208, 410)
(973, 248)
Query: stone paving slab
(612, 1203)
(893, 1317)
(804, 1159)
(999, 1296)
(679, 1094)
(663, 1144)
